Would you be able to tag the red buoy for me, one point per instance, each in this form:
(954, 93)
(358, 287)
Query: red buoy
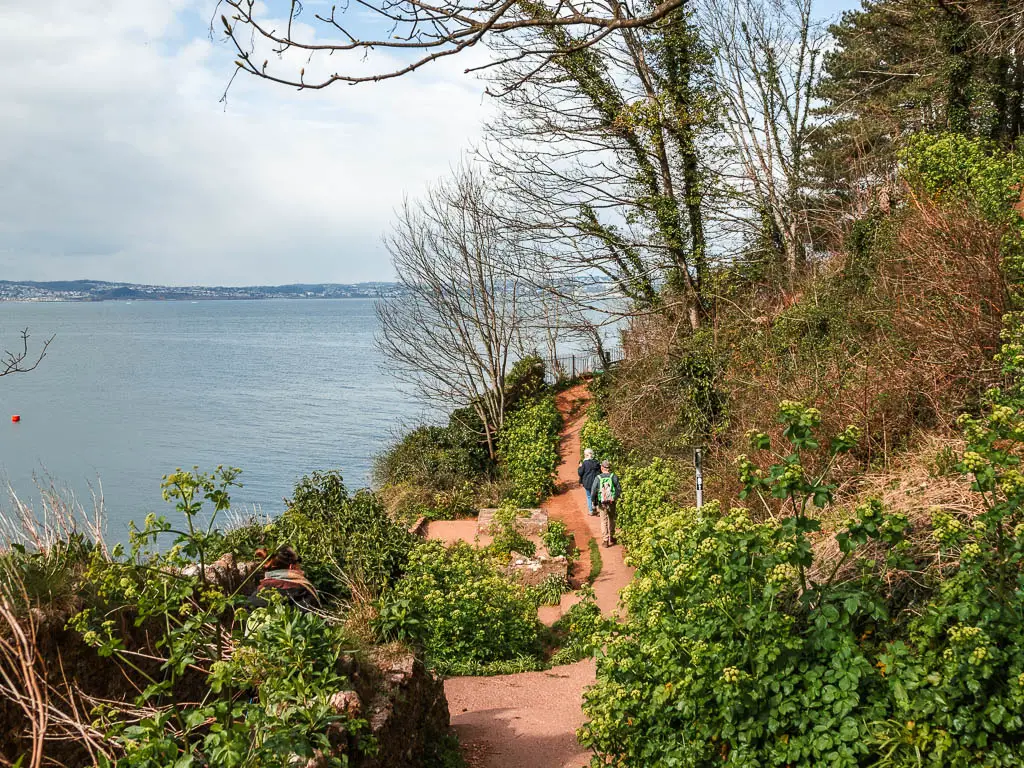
(15, 418)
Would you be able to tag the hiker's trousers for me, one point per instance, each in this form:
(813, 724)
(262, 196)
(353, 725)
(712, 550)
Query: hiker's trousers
(607, 511)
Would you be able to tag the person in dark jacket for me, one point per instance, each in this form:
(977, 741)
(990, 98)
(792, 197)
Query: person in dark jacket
(588, 470)
(605, 494)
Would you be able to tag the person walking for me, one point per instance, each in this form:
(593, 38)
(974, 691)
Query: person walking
(605, 494)
(588, 469)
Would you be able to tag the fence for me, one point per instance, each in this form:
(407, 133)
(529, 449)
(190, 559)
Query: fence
(571, 366)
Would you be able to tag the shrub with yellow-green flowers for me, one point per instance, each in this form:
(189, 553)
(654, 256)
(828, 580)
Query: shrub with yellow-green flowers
(648, 495)
(597, 435)
(528, 450)
(455, 604)
(721, 650)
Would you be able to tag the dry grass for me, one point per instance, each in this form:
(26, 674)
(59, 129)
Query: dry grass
(916, 485)
(898, 354)
(53, 709)
(59, 516)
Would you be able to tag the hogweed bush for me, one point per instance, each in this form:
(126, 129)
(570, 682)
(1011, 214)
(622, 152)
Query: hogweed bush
(557, 540)
(957, 678)
(597, 435)
(741, 649)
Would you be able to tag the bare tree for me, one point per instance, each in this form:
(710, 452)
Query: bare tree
(768, 62)
(19, 360)
(456, 327)
(601, 148)
(414, 32)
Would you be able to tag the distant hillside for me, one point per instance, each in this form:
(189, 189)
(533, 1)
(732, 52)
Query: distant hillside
(99, 290)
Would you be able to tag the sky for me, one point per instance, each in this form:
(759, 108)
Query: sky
(120, 163)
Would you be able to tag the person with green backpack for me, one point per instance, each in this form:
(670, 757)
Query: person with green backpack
(604, 494)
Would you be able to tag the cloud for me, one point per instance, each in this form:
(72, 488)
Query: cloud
(119, 163)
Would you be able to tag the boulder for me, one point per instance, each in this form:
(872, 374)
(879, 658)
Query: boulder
(227, 573)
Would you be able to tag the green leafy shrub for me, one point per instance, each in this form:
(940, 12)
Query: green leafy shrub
(580, 630)
(648, 495)
(436, 458)
(407, 502)
(265, 688)
(528, 450)
(524, 382)
(510, 539)
(557, 540)
(341, 538)
(957, 677)
(597, 435)
(732, 653)
(742, 648)
(549, 591)
(959, 168)
(466, 612)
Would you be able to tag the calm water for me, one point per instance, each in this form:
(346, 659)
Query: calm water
(128, 392)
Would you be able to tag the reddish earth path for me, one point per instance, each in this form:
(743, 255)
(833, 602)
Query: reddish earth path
(529, 720)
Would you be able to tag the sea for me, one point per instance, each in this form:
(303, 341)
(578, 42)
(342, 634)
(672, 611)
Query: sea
(130, 391)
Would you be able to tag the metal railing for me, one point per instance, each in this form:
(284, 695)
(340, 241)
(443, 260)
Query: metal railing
(571, 366)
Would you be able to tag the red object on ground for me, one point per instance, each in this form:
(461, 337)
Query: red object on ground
(15, 418)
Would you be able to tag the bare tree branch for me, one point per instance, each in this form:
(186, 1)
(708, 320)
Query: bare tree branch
(458, 325)
(19, 360)
(416, 31)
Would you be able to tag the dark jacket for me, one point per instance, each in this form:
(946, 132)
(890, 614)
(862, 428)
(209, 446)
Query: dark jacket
(588, 470)
(595, 495)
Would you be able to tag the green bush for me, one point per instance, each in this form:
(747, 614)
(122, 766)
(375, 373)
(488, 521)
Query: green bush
(580, 630)
(648, 495)
(510, 539)
(597, 435)
(524, 382)
(465, 612)
(341, 538)
(720, 662)
(740, 648)
(266, 685)
(557, 540)
(957, 168)
(436, 458)
(956, 678)
(528, 450)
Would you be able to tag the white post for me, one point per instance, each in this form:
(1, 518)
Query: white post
(700, 477)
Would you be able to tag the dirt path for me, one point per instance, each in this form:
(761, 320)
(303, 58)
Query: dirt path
(529, 720)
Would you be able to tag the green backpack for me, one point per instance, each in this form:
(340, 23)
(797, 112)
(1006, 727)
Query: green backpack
(605, 489)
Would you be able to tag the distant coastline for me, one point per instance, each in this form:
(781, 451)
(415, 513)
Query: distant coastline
(100, 290)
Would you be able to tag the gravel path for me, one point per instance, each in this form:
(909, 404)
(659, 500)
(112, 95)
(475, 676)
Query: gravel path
(529, 720)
